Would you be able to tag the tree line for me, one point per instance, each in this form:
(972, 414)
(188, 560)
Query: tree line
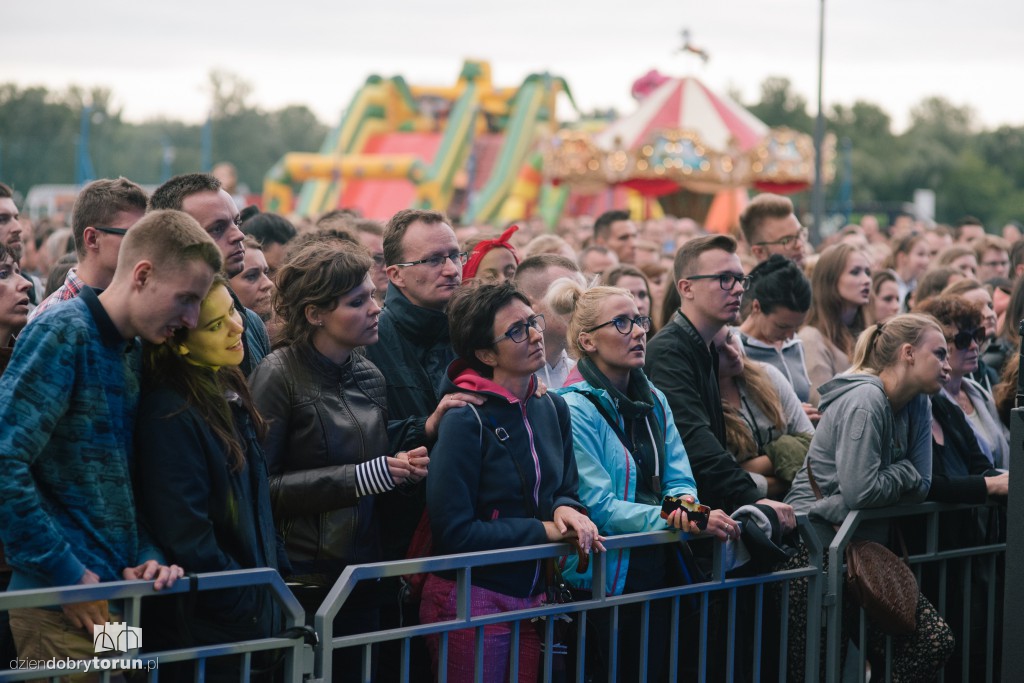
(971, 170)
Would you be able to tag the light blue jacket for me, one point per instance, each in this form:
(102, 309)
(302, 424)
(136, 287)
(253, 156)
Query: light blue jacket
(608, 476)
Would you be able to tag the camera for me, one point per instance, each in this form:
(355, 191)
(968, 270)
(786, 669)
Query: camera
(695, 512)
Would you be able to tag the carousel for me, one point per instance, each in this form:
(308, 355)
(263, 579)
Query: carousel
(696, 152)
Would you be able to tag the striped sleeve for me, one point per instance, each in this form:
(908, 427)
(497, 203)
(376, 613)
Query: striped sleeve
(373, 477)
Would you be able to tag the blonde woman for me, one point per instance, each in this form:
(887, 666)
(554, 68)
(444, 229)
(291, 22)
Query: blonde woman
(872, 449)
(766, 429)
(629, 455)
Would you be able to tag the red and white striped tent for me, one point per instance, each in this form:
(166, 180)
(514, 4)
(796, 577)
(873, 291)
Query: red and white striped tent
(683, 135)
(686, 104)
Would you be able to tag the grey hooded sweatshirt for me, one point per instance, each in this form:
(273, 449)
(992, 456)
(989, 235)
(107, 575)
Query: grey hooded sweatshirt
(863, 455)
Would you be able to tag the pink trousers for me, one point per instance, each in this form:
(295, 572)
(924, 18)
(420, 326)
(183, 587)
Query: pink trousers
(438, 604)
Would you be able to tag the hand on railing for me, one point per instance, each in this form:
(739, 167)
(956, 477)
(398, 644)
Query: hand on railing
(787, 518)
(998, 485)
(571, 523)
(84, 614)
(162, 576)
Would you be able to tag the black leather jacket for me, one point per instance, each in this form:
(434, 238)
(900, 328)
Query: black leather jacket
(324, 420)
(685, 368)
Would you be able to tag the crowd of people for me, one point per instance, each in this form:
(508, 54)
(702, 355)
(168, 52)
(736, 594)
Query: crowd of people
(194, 392)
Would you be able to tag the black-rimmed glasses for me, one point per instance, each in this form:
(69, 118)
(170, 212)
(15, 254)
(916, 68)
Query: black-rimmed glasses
(624, 324)
(459, 258)
(801, 236)
(725, 280)
(521, 330)
(111, 231)
(962, 339)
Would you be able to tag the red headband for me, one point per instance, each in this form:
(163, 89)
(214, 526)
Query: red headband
(481, 249)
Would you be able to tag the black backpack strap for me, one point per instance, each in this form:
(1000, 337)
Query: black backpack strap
(612, 422)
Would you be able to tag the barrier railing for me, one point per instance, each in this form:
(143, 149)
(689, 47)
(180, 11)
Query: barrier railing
(933, 554)
(314, 664)
(463, 566)
(296, 665)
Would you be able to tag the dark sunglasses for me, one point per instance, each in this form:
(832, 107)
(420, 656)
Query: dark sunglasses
(962, 339)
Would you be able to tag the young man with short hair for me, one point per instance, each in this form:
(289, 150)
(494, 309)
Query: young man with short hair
(770, 227)
(616, 231)
(201, 196)
(104, 211)
(682, 361)
(67, 402)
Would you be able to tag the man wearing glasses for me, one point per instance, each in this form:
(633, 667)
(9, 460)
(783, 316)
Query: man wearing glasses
(104, 211)
(424, 268)
(770, 227)
(683, 362)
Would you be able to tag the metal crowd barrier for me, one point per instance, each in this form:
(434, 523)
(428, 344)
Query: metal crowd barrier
(463, 566)
(314, 664)
(932, 555)
(296, 664)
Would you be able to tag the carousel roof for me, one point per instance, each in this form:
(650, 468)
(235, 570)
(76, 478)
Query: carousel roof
(686, 104)
(683, 135)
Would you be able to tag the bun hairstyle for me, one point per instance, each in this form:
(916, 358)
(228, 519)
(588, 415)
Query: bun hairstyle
(878, 346)
(778, 282)
(581, 305)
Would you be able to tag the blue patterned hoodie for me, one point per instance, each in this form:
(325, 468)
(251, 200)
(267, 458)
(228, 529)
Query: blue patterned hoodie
(67, 412)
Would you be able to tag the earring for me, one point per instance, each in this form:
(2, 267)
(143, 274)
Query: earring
(320, 323)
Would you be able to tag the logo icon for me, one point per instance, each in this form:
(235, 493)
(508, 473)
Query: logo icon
(116, 637)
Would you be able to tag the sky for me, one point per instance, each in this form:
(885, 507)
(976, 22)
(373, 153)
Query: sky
(156, 57)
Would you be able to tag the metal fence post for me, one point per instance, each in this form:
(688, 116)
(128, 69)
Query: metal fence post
(1013, 599)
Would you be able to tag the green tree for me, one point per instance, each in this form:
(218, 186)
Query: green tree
(780, 106)
(37, 137)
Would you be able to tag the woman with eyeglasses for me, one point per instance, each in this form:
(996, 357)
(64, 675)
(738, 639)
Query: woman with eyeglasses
(766, 428)
(962, 472)
(502, 476)
(993, 349)
(633, 280)
(630, 455)
(872, 449)
(965, 333)
(840, 291)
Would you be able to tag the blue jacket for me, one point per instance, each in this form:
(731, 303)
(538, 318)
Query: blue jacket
(608, 476)
(67, 414)
(496, 471)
